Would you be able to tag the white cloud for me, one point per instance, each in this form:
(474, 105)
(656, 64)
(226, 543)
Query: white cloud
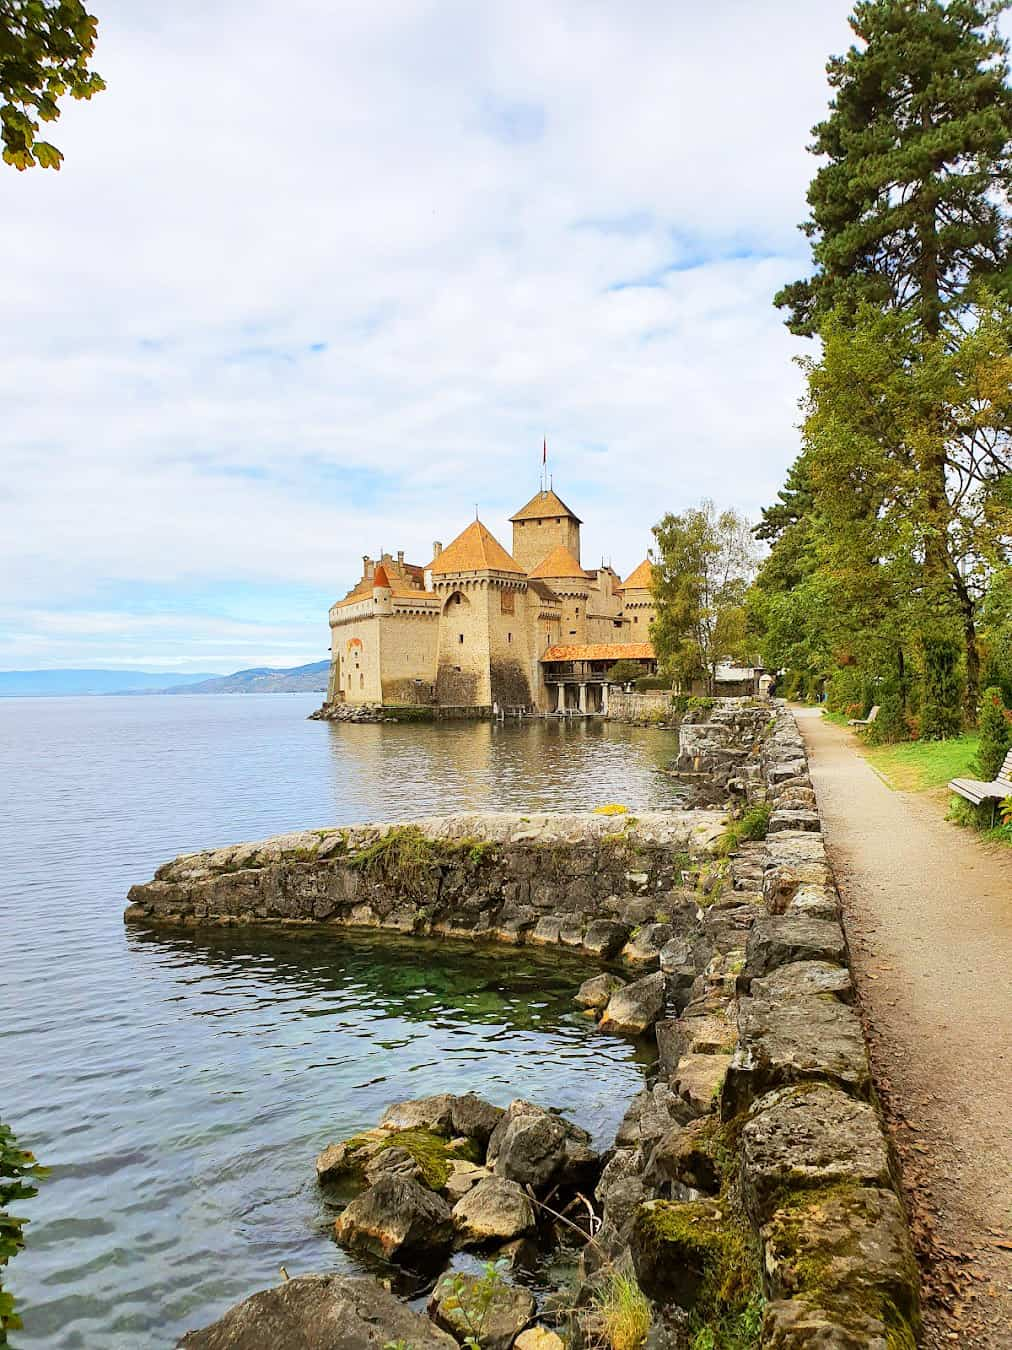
(455, 200)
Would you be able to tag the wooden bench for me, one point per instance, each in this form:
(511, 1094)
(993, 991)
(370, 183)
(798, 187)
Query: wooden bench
(976, 792)
(864, 721)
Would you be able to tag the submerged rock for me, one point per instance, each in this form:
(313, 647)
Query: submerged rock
(320, 1312)
(493, 1210)
(632, 1011)
(396, 1218)
(468, 1308)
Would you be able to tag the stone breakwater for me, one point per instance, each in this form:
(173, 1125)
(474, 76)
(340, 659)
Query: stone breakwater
(582, 881)
(750, 1187)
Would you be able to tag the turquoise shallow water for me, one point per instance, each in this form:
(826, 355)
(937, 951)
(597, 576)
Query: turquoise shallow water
(181, 1086)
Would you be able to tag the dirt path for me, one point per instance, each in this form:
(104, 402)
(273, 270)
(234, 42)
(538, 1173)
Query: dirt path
(929, 918)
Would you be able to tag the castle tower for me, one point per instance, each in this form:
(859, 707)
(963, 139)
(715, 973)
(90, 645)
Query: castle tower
(483, 649)
(638, 598)
(543, 525)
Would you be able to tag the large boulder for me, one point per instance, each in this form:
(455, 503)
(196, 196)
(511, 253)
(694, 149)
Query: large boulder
(632, 1011)
(785, 1042)
(677, 1248)
(777, 939)
(595, 992)
(797, 1324)
(422, 1113)
(644, 947)
(536, 1148)
(802, 979)
(604, 938)
(687, 1156)
(805, 1138)
(473, 1117)
(494, 1210)
(848, 1246)
(699, 1080)
(472, 1307)
(397, 1218)
(320, 1312)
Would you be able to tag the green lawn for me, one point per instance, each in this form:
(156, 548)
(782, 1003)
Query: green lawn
(917, 766)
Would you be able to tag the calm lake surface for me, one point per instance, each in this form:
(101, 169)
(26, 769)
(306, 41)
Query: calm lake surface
(181, 1086)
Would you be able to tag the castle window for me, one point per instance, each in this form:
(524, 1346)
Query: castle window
(361, 682)
(508, 601)
(509, 637)
(461, 637)
(558, 520)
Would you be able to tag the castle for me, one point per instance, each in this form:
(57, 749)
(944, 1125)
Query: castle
(479, 630)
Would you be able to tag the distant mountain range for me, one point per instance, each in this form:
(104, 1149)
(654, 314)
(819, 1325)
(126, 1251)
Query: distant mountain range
(263, 680)
(259, 680)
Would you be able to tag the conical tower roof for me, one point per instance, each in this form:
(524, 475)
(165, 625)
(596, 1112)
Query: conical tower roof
(641, 579)
(475, 550)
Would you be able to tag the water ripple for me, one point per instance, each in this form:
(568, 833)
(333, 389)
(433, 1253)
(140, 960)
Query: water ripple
(181, 1085)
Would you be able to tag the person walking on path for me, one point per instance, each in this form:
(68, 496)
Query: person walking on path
(928, 909)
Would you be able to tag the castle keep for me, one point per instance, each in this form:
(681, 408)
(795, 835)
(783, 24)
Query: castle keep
(479, 629)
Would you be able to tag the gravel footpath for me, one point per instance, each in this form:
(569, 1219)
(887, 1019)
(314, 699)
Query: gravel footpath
(928, 909)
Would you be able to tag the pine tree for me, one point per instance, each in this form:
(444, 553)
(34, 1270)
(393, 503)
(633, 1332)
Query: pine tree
(919, 145)
(909, 213)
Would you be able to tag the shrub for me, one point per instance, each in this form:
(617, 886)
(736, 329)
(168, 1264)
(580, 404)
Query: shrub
(890, 724)
(943, 689)
(625, 672)
(753, 824)
(995, 734)
(844, 688)
(647, 682)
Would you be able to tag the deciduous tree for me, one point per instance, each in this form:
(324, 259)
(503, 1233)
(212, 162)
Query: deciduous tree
(703, 564)
(45, 50)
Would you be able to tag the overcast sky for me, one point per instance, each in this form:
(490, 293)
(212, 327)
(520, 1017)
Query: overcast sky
(316, 278)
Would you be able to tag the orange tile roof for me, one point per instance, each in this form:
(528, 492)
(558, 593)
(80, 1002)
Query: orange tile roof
(559, 563)
(476, 550)
(362, 590)
(641, 579)
(545, 504)
(602, 651)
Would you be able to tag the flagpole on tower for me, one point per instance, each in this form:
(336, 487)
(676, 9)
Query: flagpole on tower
(544, 463)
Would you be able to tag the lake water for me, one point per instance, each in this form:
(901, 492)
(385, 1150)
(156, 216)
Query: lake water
(181, 1085)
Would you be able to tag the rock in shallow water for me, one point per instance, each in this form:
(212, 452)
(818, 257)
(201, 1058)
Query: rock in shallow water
(632, 1011)
(458, 1305)
(536, 1148)
(396, 1218)
(595, 992)
(494, 1209)
(320, 1312)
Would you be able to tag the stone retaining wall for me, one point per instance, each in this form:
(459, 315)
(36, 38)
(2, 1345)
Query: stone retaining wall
(581, 880)
(652, 707)
(761, 1130)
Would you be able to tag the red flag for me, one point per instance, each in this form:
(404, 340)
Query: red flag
(544, 452)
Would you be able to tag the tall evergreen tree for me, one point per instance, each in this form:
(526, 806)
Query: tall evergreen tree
(910, 214)
(907, 210)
